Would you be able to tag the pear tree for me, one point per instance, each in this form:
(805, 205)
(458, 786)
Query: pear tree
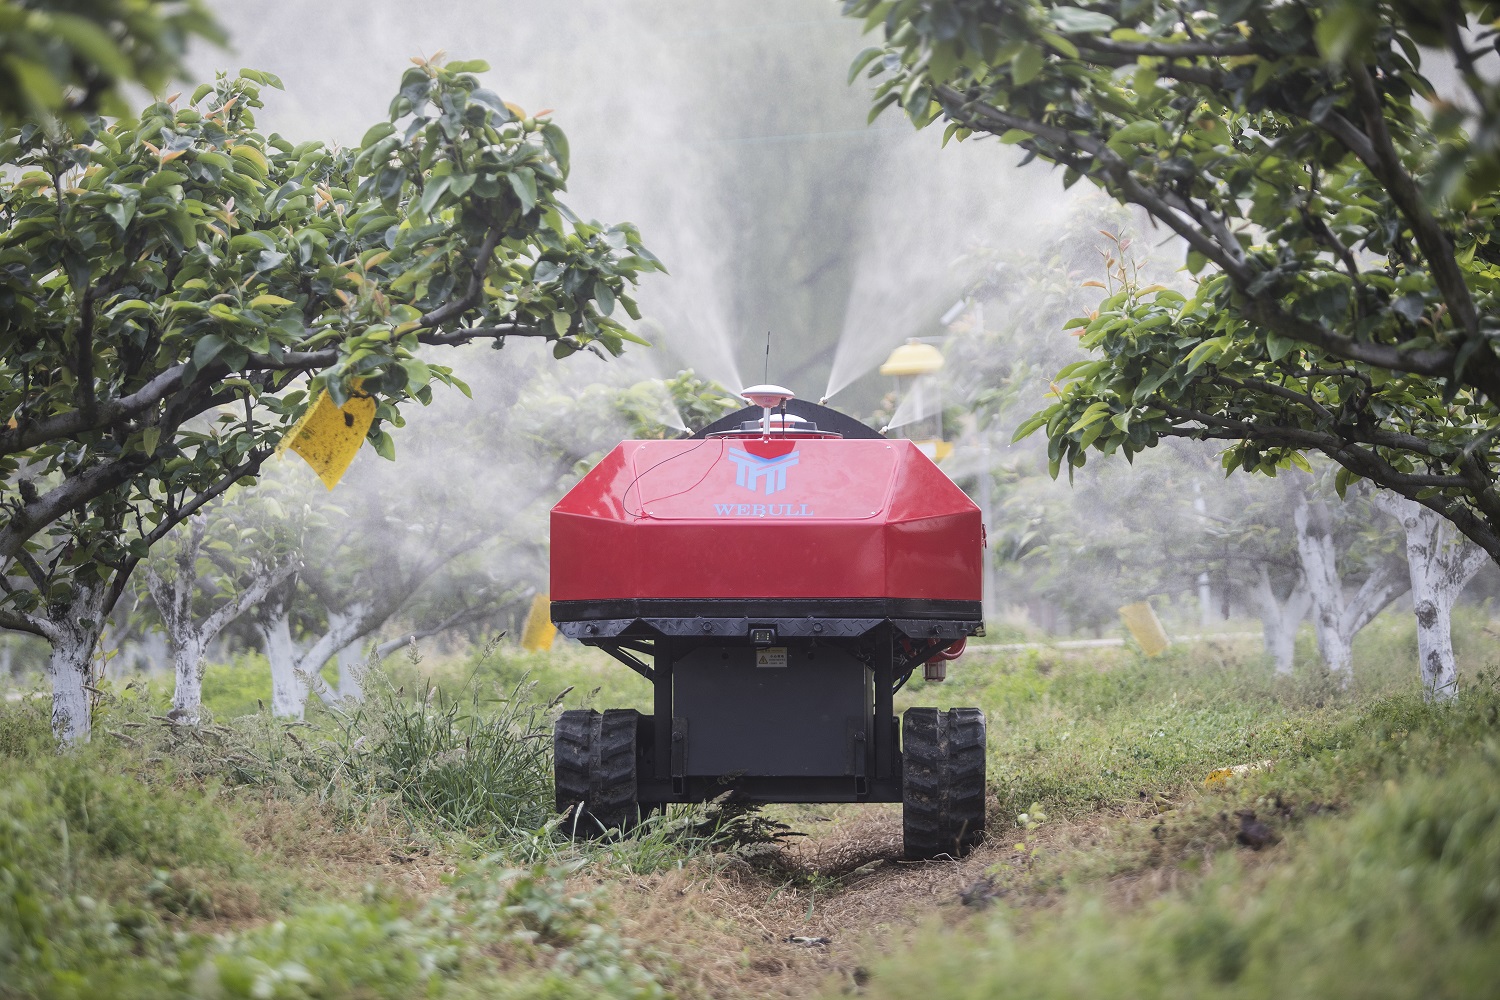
(1336, 209)
(177, 289)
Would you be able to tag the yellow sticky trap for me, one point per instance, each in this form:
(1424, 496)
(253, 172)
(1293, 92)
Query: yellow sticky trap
(328, 437)
(1223, 774)
(1145, 627)
(539, 631)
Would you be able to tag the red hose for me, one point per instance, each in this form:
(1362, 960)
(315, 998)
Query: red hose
(951, 652)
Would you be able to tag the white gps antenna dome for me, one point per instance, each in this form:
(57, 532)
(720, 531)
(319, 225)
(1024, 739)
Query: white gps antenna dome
(767, 397)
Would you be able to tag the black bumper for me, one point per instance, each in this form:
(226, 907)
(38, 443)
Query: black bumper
(850, 618)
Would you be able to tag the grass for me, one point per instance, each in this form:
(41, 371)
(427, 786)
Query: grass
(162, 861)
(408, 848)
(1395, 892)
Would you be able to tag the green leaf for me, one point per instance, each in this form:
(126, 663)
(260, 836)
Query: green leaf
(377, 132)
(385, 447)
(604, 296)
(880, 105)
(1096, 411)
(432, 194)
(1026, 65)
(523, 183)
(1346, 26)
(862, 60)
(417, 373)
(1278, 347)
(208, 347)
(1141, 131)
(92, 43)
(123, 211)
(561, 321)
(1076, 20)
(1030, 425)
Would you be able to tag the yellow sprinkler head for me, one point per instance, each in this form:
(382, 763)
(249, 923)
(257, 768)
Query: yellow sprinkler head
(913, 358)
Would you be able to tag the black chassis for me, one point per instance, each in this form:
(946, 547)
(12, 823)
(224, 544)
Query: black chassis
(821, 729)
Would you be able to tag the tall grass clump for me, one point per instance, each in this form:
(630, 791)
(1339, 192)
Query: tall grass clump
(463, 764)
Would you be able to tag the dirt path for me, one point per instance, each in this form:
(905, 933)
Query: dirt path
(809, 917)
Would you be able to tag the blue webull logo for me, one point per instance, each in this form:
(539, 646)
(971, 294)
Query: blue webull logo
(762, 510)
(752, 469)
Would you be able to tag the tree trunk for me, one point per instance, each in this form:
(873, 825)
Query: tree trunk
(187, 668)
(189, 636)
(75, 631)
(1441, 563)
(1279, 619)
(71, 669)
(1336, 621)
(1325, 588)
(288, 685)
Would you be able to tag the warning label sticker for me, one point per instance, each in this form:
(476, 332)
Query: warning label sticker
(771, 656)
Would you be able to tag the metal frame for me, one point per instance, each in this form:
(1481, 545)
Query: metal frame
(875, 778)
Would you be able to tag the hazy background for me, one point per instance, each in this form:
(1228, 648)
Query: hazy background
(726, 131)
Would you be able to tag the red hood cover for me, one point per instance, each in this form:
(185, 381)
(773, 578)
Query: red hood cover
(745, 518)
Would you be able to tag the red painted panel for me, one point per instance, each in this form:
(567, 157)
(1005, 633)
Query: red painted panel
(738, 518)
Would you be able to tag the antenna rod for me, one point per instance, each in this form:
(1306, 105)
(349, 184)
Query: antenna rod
(766, 377)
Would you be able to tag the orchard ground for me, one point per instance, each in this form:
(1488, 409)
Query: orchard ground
(407, 848)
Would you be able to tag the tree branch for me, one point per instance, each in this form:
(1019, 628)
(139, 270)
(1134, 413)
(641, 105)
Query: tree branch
(461, 617)
(248, 467)
(1436, 246)
(1165, 50)
(68, 495)
(987, 118)
(21, 621)
(457, 307)
(252, 595)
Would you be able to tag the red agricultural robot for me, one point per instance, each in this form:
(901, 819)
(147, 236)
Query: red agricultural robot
(777, 578)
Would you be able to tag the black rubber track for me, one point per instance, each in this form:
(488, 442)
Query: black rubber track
(594, 769)
(942, 779)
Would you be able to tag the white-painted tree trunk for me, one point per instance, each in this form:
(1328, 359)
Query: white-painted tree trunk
(187, 672)
(296, 669)
(1280, 619)
(288, 684)
(1336, 621)
(189, 635)
(74, 632)
(70, 667)
(1441, 563)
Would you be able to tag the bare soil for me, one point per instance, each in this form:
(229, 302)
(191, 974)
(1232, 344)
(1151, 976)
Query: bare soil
(811, 916)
